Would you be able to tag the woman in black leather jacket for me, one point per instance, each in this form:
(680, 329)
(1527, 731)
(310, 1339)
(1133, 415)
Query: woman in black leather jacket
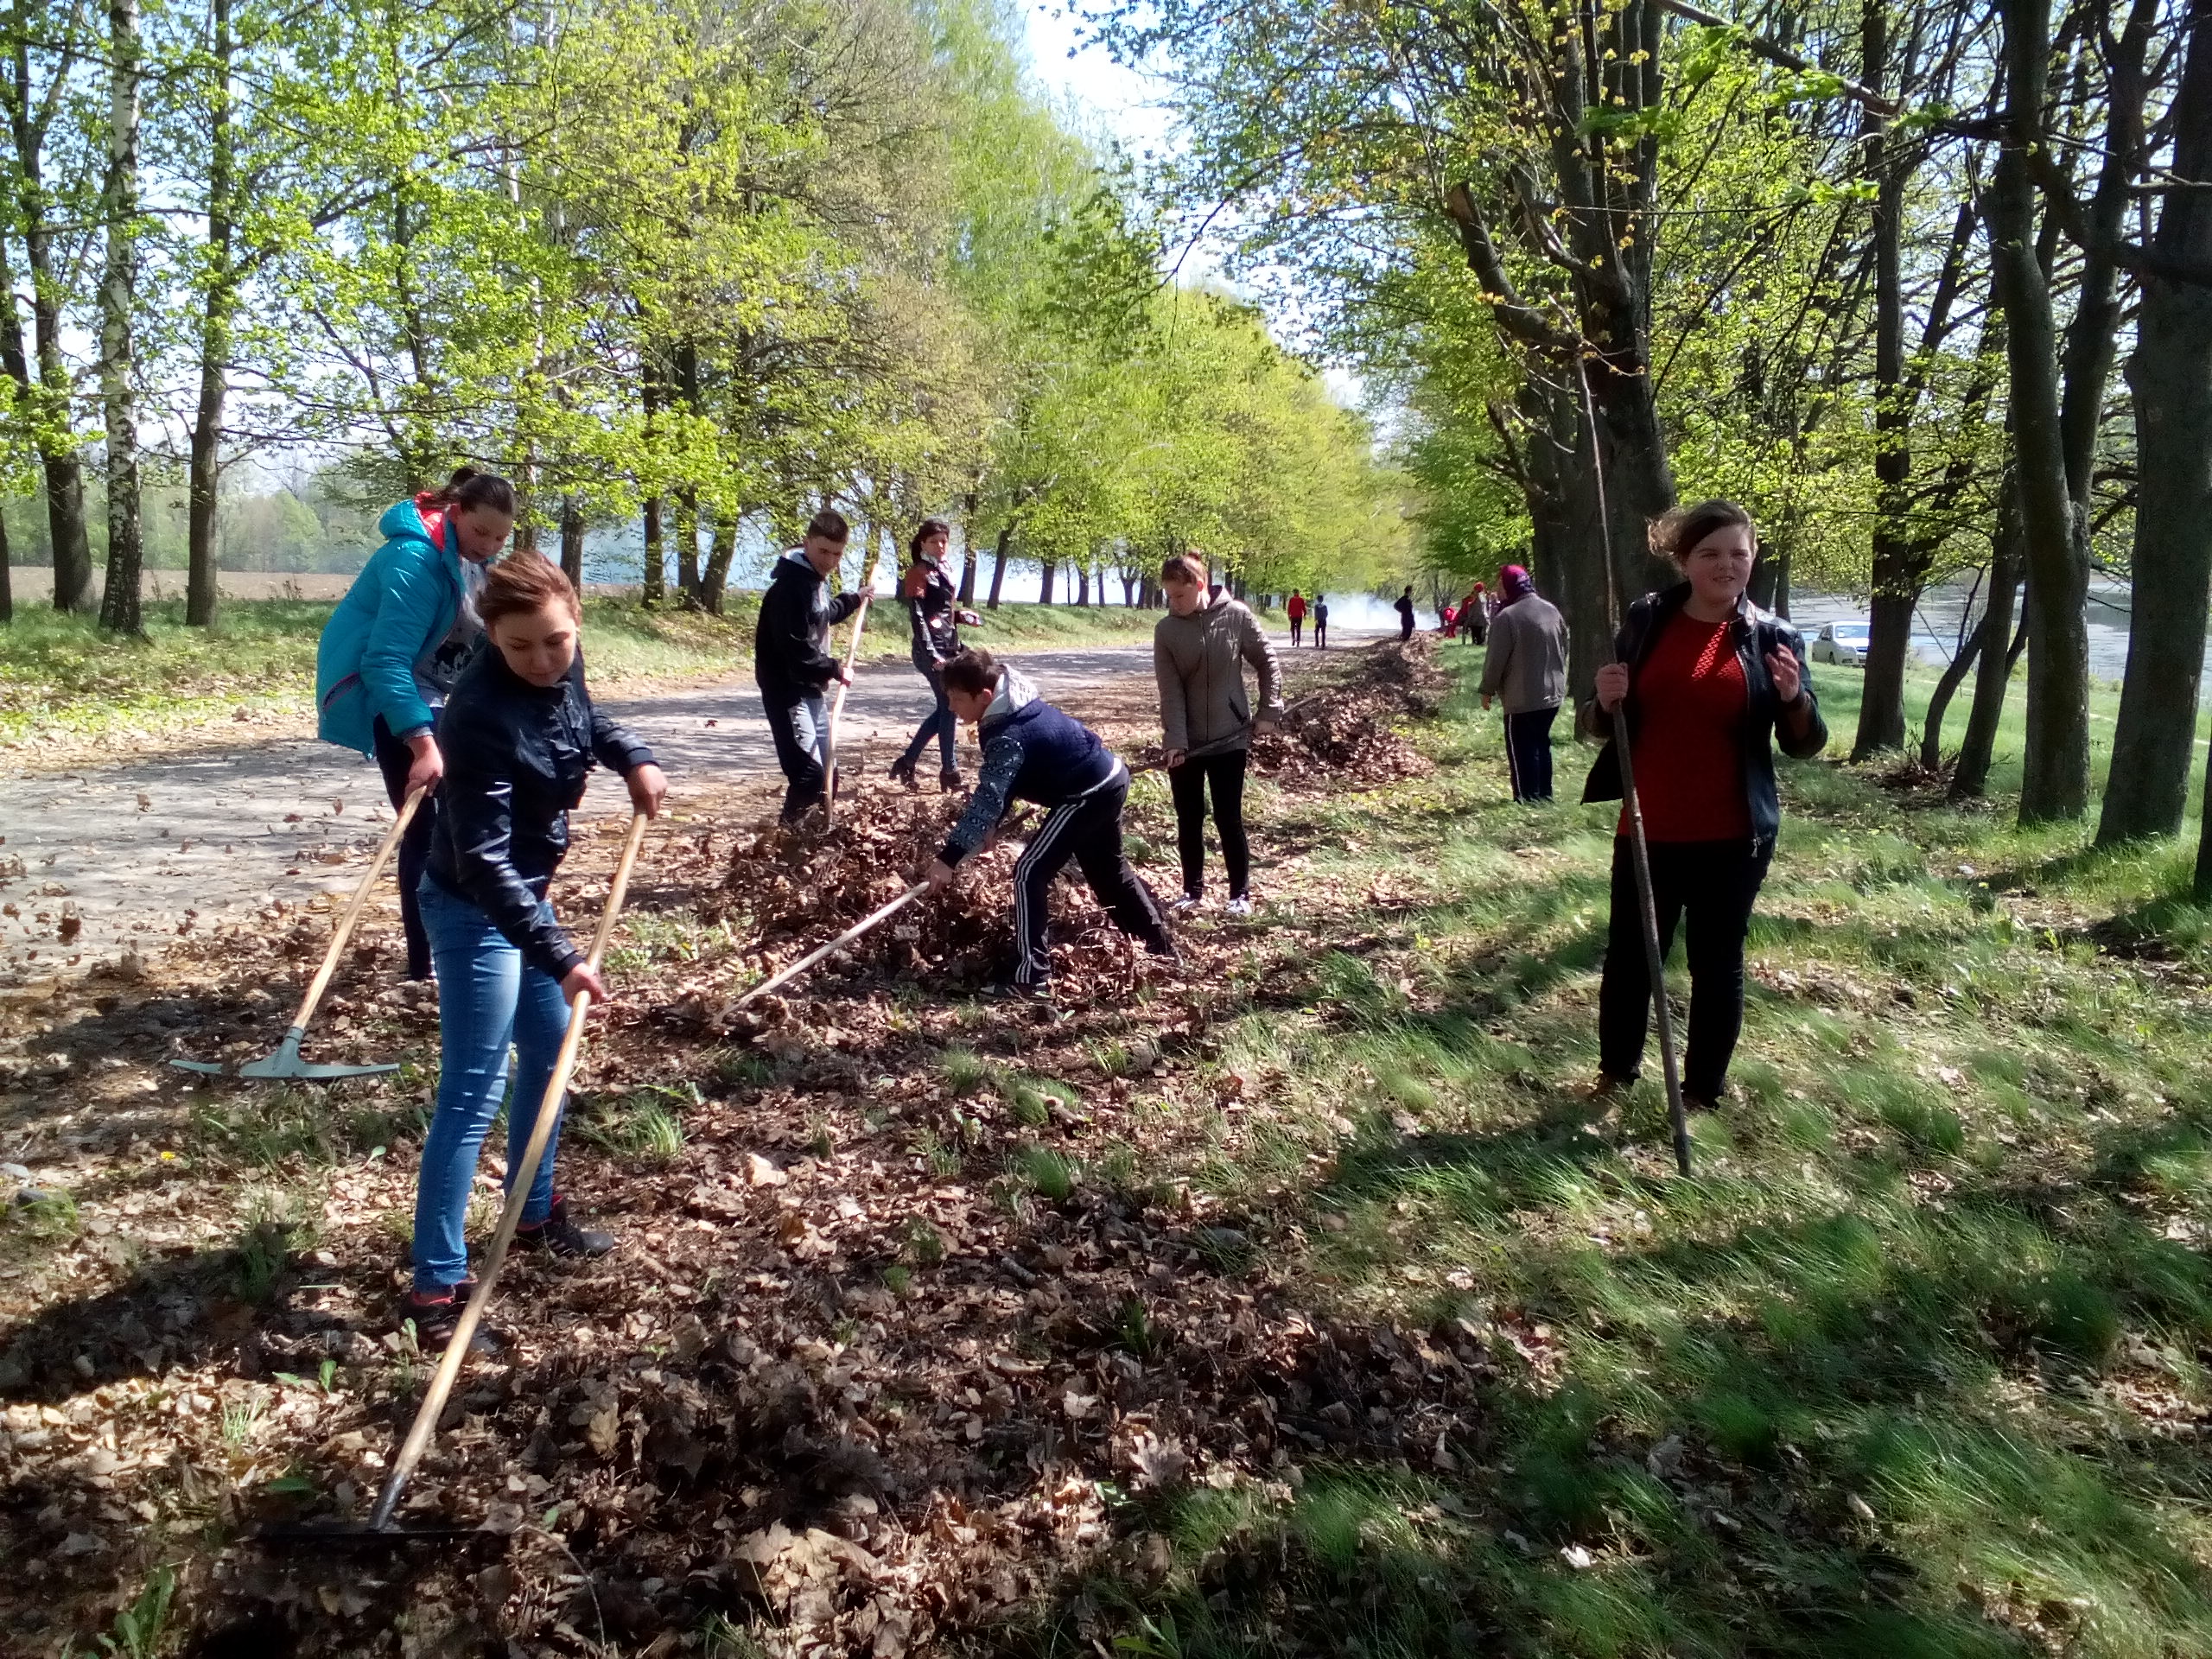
(1710, 683)
(935, 617)
(519, 734)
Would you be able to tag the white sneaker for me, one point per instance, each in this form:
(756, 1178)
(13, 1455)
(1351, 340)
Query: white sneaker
(1239, 907)
(1183, 904)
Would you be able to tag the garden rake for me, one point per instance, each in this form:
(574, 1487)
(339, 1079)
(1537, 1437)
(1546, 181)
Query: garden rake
(380, 1530)
(285, 1065)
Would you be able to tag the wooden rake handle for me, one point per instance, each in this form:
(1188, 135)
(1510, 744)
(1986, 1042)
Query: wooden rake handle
(881, 913)
(320, 983)
(456, 1354)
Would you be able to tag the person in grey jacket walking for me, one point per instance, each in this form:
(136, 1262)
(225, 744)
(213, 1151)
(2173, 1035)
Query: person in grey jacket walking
(1526, 664)
(1199, 652)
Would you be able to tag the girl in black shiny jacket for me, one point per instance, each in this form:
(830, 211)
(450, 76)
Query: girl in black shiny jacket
(520, 735)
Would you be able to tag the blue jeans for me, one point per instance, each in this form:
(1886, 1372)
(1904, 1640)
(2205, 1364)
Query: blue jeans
(800, 727)
(939, 725)
(487, 999)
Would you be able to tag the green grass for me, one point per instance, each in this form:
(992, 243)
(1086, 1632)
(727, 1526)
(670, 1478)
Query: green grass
(61, 674)
(1915, 1365)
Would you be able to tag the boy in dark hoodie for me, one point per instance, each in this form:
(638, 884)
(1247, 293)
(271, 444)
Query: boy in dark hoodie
(1032, 752)
(792, 662)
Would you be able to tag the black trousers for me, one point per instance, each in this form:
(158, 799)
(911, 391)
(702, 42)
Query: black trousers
(798, 725)
(1528, 752)
(1189, 783)
(394, 758)
(1713, 884)
(1297, 629)
(1089, 830)
(1405, 627)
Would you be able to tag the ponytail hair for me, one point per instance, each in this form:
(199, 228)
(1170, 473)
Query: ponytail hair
(929, 527)
(523, 582)
(469, 490)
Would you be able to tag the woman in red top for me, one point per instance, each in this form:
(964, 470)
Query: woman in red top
(1710, 683)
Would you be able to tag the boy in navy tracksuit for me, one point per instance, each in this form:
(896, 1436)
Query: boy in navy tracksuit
(1032, 752)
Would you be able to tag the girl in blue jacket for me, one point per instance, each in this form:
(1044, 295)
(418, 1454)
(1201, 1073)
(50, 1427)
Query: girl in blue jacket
(394, 646)
(521, 736)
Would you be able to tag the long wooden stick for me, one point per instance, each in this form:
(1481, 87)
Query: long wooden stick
(883, 912)
(1639, 848)
(320, 983)
(518, 1184)
(838, 712)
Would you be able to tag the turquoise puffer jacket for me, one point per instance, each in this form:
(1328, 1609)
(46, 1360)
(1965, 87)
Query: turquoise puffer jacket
(396, 613)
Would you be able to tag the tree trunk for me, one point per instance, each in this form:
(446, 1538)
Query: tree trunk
(2055, 783)
(998, 565)
(218, 308)
(1947, 685)
(7, 579)
(1044, 592)
(1082, 585)
(572, 541)
(1129, 589)
(2170, 375)
(119, 611)
(655, 591)
(1994, 675)
(1897, 570)
(715, 585)
(687, 549)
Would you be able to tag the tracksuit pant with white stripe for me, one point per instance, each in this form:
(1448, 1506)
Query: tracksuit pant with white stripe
(1089, 830)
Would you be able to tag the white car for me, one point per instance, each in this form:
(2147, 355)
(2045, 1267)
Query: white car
(1842, 642)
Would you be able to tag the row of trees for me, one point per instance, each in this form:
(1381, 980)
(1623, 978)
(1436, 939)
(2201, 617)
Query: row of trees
(1872, 267)
(698, 266)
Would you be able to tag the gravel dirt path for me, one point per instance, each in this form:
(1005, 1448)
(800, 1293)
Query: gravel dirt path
(105, 861)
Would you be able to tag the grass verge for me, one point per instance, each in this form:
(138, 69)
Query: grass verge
(1915, 1365)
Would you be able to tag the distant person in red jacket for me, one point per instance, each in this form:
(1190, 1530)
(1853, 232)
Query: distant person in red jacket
(1296, 612)
(1711, 682)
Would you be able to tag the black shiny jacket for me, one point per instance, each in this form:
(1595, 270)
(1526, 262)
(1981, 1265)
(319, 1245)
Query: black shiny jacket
(932, 613)
(1756, 632)
(516, 756)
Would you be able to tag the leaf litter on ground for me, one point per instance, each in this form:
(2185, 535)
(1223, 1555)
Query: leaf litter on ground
(879, 1346)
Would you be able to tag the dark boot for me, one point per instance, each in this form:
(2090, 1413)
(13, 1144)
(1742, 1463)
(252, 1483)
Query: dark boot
(949, 779)
(436, 1316)
(902, 772)
(559, 1236)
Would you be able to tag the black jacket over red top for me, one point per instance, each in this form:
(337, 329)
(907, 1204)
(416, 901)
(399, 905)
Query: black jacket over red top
(932, 613)
(1756, 633)
(516, 756)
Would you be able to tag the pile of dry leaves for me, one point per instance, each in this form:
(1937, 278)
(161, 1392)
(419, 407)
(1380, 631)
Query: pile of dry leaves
(907, 1294)
(1348, 731)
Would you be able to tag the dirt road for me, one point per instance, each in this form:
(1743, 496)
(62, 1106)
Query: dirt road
(96, 863)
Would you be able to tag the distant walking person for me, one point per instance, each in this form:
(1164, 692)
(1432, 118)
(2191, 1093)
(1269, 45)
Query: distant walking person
(1405, 608)
(1710, 683)
(397, 641)
(934, 616)
(1474, 616)
(1320, 623)
(792, 662)
(1200, 651)
(1527, 665)
(1296, 612)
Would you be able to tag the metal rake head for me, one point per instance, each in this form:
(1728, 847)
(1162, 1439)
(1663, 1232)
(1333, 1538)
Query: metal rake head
(285, 1065)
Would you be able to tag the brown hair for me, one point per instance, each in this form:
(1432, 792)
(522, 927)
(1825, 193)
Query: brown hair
(929, 527)
(830, 524)
(524, 582)
(1184, 567)
(972, 673)
(468, 490)
(1681, 530)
